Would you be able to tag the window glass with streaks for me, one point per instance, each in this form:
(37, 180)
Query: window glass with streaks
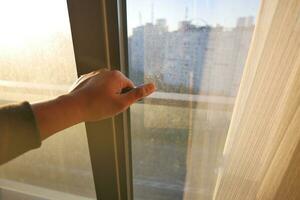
(37, 63)
(195, 52)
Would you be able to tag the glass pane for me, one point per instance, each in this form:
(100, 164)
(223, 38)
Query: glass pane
(195, 51)
(37, 62)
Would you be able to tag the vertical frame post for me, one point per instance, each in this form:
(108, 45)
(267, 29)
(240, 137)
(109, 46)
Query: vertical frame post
(99, 43)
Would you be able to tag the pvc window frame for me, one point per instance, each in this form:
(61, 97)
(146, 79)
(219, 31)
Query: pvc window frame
(99, 34)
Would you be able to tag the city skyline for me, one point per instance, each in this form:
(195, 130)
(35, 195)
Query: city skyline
(192, 59)
(213, 12)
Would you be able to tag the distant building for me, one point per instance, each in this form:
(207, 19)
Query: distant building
(155, 44)
(184, 58)
(225, 57)
(245, 21)
(136, 55)
(192, 59)
(147, 50)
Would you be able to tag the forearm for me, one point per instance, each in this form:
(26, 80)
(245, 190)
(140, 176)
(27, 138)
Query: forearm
(56, 114)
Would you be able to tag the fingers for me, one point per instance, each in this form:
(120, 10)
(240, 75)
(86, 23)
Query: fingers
(124, 81)
(127, 83)
(137, 94)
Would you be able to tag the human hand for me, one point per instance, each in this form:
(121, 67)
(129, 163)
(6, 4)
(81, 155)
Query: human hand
(98, 94)
(93, 97)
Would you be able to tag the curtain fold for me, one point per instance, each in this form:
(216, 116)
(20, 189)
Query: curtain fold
(261, 155)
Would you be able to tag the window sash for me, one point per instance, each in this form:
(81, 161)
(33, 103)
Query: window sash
(100, 40)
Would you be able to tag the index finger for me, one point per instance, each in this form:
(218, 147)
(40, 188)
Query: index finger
(126, 82)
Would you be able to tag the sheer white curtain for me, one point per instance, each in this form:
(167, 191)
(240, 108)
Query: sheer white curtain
(262, 150)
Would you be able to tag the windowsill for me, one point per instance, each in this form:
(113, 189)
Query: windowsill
(14, 190)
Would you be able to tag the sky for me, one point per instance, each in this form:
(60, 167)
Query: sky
(212, 12)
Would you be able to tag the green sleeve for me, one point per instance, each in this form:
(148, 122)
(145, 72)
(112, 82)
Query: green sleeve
(18, 131)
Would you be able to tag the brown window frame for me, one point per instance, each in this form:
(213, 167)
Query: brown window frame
(100, 41)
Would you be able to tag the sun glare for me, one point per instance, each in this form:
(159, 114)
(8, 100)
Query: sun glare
(31, 21)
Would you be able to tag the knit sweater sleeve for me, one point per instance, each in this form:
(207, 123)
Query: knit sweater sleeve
(18, 131)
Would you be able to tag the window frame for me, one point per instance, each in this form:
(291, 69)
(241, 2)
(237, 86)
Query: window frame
(99, 30)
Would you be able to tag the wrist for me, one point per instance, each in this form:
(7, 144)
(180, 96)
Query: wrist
(71, 106)
(56, 114)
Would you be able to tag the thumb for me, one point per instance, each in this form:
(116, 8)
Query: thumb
(138, 93)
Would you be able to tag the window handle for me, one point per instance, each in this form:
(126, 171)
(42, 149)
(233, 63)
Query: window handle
(126, 89)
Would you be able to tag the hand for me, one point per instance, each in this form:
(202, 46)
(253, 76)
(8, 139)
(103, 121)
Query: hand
(94, 96)
(99, 94)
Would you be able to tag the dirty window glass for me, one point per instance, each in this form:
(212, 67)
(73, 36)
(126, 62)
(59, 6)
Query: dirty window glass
(37, 63)
(194, 51)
